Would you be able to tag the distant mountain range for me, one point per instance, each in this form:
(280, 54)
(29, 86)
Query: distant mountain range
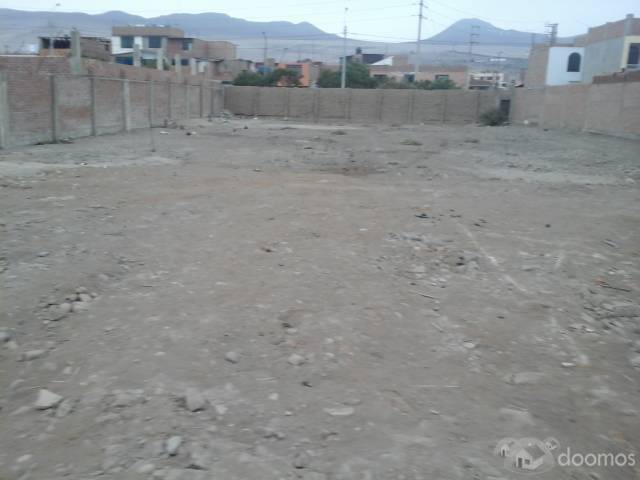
(20, 29)
(486, 34)
(26, 26)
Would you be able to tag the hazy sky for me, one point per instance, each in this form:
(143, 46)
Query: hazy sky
(386, 20)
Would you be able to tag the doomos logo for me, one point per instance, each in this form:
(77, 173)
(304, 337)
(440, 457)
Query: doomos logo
(528, 456)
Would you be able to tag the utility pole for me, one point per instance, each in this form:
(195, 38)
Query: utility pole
(343, 73)
(264, 50)
(472, 40)
(417, 62)
(552, 31)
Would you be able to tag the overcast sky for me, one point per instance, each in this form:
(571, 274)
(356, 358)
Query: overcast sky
(388, 20)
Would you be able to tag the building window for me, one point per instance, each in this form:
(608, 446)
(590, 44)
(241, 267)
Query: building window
(573, 65)
(124, 60)
(186, 45)
(126, 41)
(155, 42)
(634, 55)
(442, 77)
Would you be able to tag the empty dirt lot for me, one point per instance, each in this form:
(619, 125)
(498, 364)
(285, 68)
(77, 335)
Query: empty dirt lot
(270, 300)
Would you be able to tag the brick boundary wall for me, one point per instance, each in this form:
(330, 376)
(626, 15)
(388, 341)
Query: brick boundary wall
(42, 100)
(609, 106)
(364, 106)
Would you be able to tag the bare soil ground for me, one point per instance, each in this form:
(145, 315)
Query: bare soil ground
(289, 301)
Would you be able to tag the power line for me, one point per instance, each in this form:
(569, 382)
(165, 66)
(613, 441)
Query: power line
(472, 40)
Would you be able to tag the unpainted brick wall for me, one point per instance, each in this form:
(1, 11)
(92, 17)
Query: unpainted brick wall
(364, 106)
(30, 92)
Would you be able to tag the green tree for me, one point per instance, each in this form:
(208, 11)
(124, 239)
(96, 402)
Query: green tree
(443, 84)
(392, 83)
(280, 76)
(357, 77)
(248, 79)
(423, 84)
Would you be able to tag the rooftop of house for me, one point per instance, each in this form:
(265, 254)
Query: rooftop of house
(423, 68)
(147, 30)
(534, 450)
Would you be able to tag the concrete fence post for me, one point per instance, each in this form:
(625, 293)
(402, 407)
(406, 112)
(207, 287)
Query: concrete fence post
(94, 106)
(201, 99)
(55, 126)
(287, 102)
(177, 61)
(159, 61)
(316, 105)
(411, 99)
(217, 98)
(477, 115)
(193, 66)
(187, 101)
(4, 111)
(212, 101)
(170, 99)
(152, 100)
(380, 105)
(256, 101)
(126, 105)
(137, 57)
(348, 103)
(443, 117)
(76, 53)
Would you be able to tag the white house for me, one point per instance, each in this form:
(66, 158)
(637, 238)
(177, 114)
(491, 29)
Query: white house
(529, 457)
(564, 65)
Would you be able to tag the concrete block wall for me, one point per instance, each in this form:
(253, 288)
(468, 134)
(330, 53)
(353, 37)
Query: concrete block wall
(610, 108)
(301, 102)
(429, 107)
(362, 106)
(43, 99)
(332, 103)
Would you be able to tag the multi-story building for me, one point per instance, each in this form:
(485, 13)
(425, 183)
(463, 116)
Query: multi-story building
(308, 71)
(486, 80)
(610, 48)
(397, 67)
(155, 42)
(92, 47)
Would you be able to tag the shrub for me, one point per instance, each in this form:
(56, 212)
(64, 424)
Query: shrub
(493, 118)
